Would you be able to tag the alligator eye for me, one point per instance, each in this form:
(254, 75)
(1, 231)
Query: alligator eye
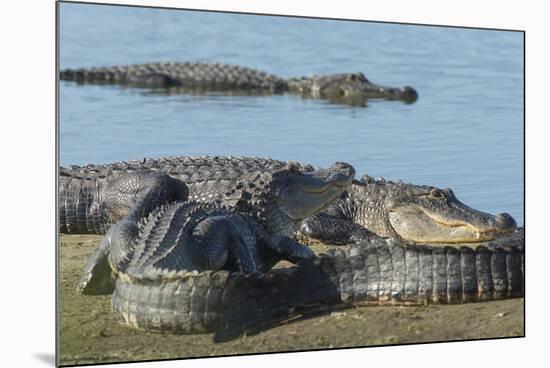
(437, 193)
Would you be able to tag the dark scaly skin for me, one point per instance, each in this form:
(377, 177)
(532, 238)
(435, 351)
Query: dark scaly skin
(264, 210)
(378, 271)
(409, 212)
(91, 204)
(183, 237)
(383, 272)
(216, 301)
(82, 188)
(186, 168)
(348, 88)
(189, 237)
(362, 212)
(93, 197)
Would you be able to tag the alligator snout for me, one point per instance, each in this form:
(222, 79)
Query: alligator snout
(302, 194)
(409, 94)
(342, 173)
(406, 94)
(504, 221)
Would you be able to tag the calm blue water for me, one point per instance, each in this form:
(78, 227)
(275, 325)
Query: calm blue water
(464, 132)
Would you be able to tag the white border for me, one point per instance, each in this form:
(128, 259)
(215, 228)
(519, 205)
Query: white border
(27, 185)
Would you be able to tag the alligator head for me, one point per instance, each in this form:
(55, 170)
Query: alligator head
(354, 86)
(428, 214)
(281, 199)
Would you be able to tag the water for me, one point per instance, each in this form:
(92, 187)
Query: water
(464, 132)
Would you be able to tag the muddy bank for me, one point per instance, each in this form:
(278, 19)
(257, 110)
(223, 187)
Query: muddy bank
(90, 333)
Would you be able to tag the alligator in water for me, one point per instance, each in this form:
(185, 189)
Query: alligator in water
(349, 88)
(387, 209)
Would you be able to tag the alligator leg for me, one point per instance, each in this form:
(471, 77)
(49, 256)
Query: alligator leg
(278, 247)
(218, 240)
(331, 229)
(97, 277)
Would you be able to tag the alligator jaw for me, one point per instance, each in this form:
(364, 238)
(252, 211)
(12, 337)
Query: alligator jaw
(339, 175)
(419, 225)
(356, 85)
(406, 94)
(310, 192)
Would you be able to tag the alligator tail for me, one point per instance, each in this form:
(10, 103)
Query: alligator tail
(190, 304)
(95, 75)
(388, 272)
(195, 302)
(379, 272)
(79, 208)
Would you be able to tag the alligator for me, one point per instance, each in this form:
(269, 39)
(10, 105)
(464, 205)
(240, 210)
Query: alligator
(418, 213)
(198, 77)
(263, 209)
(369, 208)
(156, 291)
(90, 205)
(86, 192)
(374, 272)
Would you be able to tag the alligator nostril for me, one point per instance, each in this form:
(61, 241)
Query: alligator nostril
(343, 166)
(505, 221)
(341, 172)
